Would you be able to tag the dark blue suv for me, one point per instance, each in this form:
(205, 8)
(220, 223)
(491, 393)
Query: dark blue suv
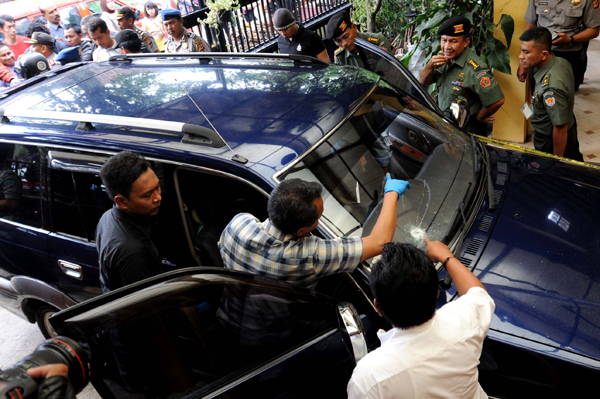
(222, 130)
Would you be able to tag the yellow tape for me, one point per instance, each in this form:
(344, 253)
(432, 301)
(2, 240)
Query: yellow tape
(526, 150)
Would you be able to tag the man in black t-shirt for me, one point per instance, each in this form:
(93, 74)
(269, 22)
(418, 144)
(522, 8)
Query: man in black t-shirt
(126, 251)
(295, 38)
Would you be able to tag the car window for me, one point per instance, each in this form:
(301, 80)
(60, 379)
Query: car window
(94, 7)
(392, 132)
(22, 24)
(70, 15)
(20, 189)
(191, 336)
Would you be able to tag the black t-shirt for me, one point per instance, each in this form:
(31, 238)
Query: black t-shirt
(126, 252)
(304, 42)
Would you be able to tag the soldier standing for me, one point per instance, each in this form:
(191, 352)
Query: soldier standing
(125, 17)
(553, 97)
(343, 32)
(180, 39)
(572, 24)
(461, 75)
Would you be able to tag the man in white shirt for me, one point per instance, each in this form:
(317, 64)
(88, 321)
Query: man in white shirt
(100, 34)
(427, 354)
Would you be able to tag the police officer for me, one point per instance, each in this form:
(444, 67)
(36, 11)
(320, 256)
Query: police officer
(573, 23)
(343, 32)
(68, 55)
(462, 76)
(553, 97)
(295, 38)
(180, 39)
(128, 42)
(125, 18)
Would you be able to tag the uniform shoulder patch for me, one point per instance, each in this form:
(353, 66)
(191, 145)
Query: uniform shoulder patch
(546, 81)
(485, 82)
(596, 4)
(481, 74)
(548, 93)
(200, 44)
(550, 101)
(375, 40)
(474, 64)
(339, 50)
(147, 39)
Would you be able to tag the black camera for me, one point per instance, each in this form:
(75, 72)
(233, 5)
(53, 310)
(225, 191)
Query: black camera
(15, 383)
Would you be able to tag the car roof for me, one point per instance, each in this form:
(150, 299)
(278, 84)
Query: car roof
(267, 110)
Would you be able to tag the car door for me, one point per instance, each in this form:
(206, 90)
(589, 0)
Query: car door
(208, 332)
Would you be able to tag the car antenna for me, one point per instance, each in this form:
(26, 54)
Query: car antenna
(236, 157)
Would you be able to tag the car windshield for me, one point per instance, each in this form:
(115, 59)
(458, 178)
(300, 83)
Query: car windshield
(392, 132)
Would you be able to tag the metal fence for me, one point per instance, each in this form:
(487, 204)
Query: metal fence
(250, 28)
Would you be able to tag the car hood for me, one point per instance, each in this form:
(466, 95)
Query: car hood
(542, 262)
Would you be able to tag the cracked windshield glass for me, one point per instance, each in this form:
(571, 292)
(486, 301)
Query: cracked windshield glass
(392, 132)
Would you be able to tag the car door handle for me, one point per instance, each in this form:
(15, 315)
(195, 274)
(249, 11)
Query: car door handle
(71, 269)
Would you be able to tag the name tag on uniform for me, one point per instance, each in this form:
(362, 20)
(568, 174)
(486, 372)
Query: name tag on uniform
(526, 110)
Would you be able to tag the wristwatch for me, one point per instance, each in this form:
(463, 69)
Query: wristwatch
(572, 40)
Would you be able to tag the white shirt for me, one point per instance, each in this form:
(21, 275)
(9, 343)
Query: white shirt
(437, 359)
(103, 54)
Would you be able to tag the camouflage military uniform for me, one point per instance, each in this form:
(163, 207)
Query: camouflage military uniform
(469, 78)
(189, 43)
(552, 102)
(148, 43)
(344, 57)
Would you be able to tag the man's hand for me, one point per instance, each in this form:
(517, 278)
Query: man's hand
(522, 73)
(437, 251)
(438, 61)
(562, 38)
(398, 186)
(489, 119)
(49, 370)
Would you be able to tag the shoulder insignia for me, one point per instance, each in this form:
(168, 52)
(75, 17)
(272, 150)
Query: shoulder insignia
(485, 82)
(474, 64)
(480, 75)
(546, 82)
(596, 4)
(200, 45)
(455, 88)
(550, 101)
(339, 50)
(374, 40)
(548, 93)
(147, 39)
(462, 75)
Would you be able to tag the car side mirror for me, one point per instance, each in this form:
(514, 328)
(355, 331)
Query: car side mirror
(460, 111)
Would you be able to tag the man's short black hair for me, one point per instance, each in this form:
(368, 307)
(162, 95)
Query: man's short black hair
(291, 205)
(75, 27)
(95, 24)
(405, 284)
(38, 25)
(540, 36)
(120, 172)
(5, 18)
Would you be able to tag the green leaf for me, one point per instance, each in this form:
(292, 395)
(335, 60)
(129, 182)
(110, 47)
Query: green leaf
(497, 56)
(433, 22)
(507, 24)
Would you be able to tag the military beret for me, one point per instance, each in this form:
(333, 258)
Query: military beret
(457, 26)
(124, 12)
(126, 35)
(338, 24)
(40, 38)
(283, 19)
(69, 54)
(169, 13)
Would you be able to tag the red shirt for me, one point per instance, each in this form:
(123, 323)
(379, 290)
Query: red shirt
(20, 47)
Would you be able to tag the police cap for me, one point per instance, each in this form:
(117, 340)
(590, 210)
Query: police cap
(169, 13)
(283, 19)
(40, 38)
(126, 35)
(69, 54)
(338, 24)
(457, 26)
(124, 12)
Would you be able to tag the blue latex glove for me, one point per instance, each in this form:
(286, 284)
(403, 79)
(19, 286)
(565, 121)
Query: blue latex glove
(398, 186)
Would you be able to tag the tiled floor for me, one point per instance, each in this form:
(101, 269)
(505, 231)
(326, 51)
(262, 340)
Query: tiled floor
(587, 107)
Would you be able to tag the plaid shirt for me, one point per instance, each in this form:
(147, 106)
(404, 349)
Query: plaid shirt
(248, 245)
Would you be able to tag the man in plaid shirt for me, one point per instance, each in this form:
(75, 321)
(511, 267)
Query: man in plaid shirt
(281, 247)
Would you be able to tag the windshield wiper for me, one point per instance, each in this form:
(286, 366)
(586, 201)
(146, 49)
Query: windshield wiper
(480, 154)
